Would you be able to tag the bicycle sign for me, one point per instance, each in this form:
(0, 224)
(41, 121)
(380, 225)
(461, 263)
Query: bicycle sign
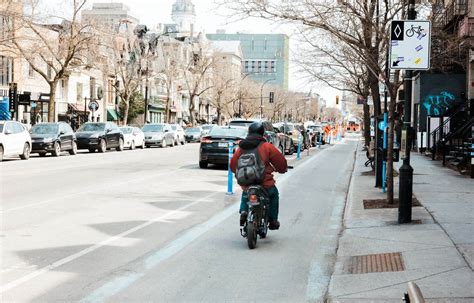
(410, 45)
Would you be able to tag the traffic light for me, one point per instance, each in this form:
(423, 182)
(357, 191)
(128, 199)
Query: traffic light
(337, 100)
(272, 97)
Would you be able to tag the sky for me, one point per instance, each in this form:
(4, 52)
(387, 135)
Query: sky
(209, 19)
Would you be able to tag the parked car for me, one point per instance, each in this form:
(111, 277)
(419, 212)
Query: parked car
(206, 128)
(193, 134)
(306, 143)
(15, 140)
(270, 134)
(215, 145)
(289, 129)
(178, 133)
(53, 138)
(133, 137)
(159, 134)
(99, 136)
(316, 134)
(286, 143)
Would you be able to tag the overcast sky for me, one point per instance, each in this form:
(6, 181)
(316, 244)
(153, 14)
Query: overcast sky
(210, 18)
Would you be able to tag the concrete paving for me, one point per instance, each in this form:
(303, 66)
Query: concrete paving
(430, 257)
(149, 225)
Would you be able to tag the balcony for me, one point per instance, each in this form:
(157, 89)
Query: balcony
(453, 11)
(466, 27)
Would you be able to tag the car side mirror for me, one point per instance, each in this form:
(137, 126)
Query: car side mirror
(166, 130)
(8, 132)
(108, 130)
(62, 132)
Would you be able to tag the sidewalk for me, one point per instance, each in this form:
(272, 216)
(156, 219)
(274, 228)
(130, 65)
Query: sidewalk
(368, 268)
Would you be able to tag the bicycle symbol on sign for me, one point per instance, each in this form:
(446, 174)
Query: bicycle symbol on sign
(414, 30)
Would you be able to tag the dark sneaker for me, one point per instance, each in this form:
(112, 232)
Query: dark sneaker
(274, 225)
(243, 218)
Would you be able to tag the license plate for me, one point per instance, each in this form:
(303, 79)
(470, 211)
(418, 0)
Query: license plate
(223, 144)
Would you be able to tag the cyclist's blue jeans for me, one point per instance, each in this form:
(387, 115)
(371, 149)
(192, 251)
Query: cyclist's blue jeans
(274, 203)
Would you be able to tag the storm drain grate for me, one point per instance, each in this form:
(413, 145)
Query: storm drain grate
(375, 263)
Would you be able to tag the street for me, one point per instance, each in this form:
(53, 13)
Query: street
(150, 225)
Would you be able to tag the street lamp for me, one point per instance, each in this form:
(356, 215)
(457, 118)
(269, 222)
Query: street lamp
(261, 97)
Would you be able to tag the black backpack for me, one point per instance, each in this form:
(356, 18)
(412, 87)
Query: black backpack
(250, 169)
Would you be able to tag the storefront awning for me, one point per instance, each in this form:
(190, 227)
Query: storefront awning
(156, 108)
(112, 115)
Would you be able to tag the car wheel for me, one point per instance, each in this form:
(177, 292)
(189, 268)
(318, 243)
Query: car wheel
(1, 153)
(26, 152)
(42, 154)
(132, 145)
(182, 142)
(56, 149)
(163, 143)
(73, 150)
(102, 146)
(143, 144)
(120, 147)
(175, 143)
(203, 164)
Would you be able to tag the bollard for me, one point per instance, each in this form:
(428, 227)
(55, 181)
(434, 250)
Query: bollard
(320, 140)
(230, 176)
(414, 294)
(298, 153)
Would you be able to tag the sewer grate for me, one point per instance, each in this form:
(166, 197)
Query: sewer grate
(375, 263)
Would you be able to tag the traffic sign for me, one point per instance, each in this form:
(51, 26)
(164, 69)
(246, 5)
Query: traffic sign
(93, 105)
(410, 45)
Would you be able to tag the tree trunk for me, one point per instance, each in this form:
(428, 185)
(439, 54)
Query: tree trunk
(52, 102)
(390, 139)
(167, 109)
(374, 90)
(366, 122)
(191, 110)
(125, 113)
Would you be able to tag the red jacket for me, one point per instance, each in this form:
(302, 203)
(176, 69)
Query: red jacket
(269, 154)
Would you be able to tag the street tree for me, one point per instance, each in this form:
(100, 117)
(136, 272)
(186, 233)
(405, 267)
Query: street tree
(197, 73)
(52, 50)
(360, 25)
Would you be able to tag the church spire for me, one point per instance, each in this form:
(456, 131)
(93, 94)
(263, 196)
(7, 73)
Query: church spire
(184, 14)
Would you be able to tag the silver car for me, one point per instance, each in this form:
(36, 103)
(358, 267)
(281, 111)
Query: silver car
(178, 133)
(159, 134)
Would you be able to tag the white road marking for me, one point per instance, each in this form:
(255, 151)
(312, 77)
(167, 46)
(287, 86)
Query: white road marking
(90, 249)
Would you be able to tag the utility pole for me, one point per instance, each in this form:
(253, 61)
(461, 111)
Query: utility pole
(261, 97)
(406, 171)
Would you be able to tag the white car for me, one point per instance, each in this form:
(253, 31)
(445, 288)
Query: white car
(133, 137)
(15, 140)
(178, 133)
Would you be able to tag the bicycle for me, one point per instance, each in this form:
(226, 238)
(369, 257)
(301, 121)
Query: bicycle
(414, 30)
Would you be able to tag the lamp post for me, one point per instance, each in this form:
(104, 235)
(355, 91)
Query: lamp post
(240, 94)
(261, 97)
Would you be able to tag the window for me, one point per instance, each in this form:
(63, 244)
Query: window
(31, 71)
(254, 69)
(267, 67)
(259, 67)
(6, 70)
(17, 128)
(79, 89)
(49, 71)
(273, 65)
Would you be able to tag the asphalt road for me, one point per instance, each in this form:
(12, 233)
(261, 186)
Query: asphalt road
(149, 225)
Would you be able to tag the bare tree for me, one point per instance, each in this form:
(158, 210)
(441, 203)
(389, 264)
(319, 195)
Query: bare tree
(358, 25)
(197, 72)
(52, 50)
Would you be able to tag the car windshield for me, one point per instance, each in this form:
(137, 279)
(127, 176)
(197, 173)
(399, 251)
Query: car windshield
(193, 130)
(43, 129)
(173, 127)
(153, 128)
(228, 132)
(206, 127)
(92, 127)
(126, 130)
(240, 123)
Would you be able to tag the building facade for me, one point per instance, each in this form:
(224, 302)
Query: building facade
(110, 15)
(266, 56)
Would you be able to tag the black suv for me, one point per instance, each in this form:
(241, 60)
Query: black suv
(100, 136)
(53, 138)
(270, 134)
